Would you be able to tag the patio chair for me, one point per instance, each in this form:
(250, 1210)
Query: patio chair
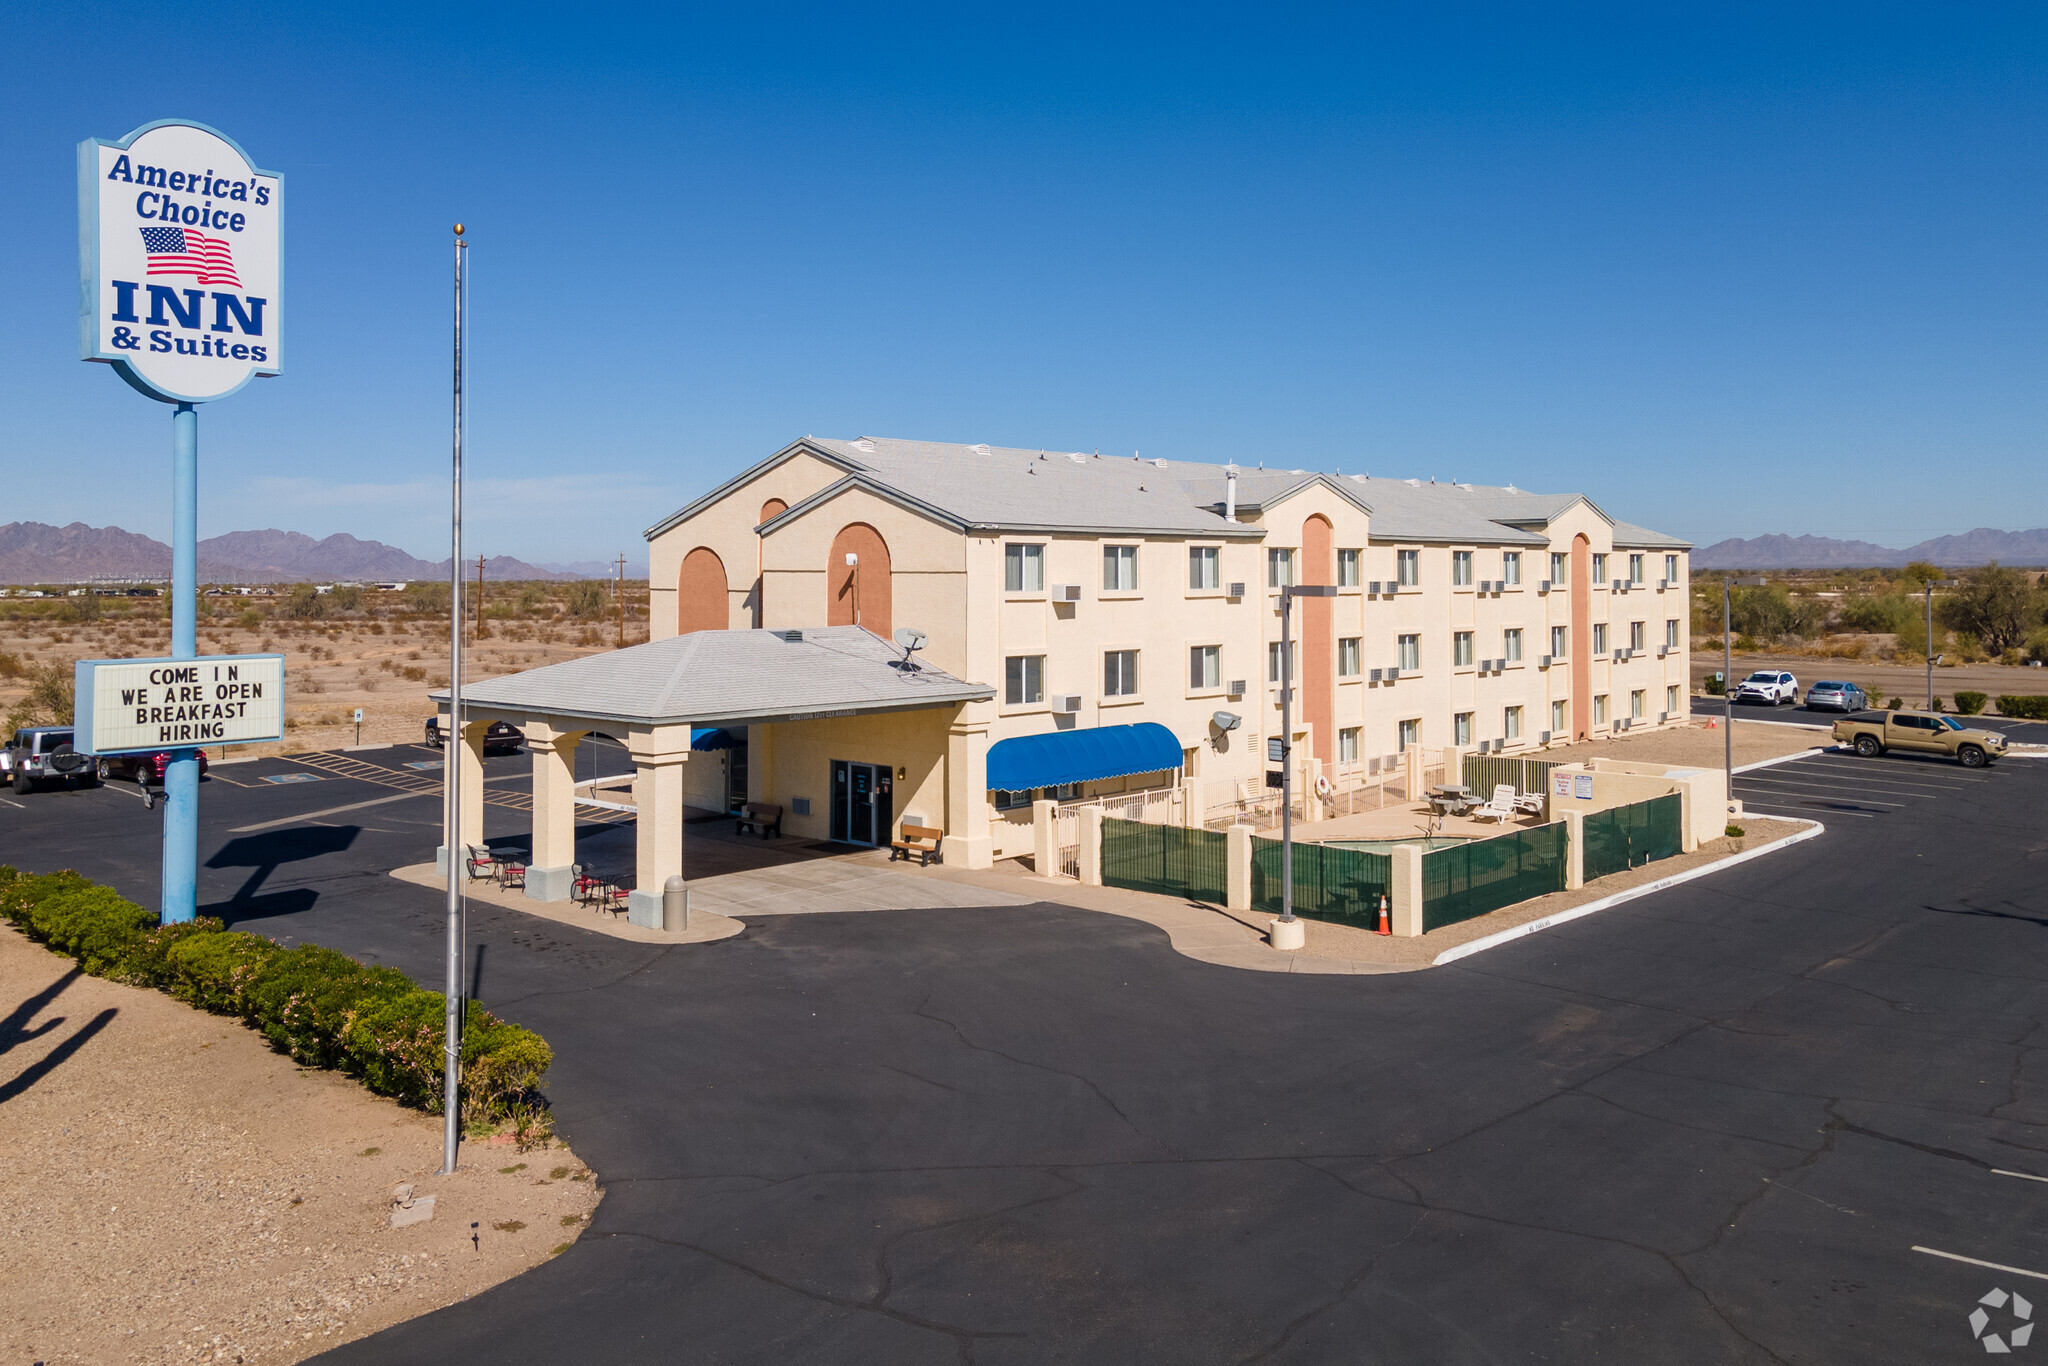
(584, 885)
(480, 863)
(511, 875)
(613, 897)
(1529, 803)
(1500, 807)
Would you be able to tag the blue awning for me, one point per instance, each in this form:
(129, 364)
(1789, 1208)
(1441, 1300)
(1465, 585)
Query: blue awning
(1080, 756)
(711, 737)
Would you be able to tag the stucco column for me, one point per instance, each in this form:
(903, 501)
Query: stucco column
(553, 752)
(761, 785)
(1411, 768)
(1311, 803)
(1574, 850)
(1404, 900)
(1090, 850)
(1454, 765)
(967, 843)
(1045, 846)
(1237, 888)
(470, 755)
(658, 757)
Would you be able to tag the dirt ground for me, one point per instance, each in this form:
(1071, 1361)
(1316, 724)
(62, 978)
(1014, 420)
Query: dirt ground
(1882, 679)
(1694, 745)
(384, 665)
(177, 1192)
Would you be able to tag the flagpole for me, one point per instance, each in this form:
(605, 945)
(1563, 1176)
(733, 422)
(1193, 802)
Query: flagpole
(452, 740)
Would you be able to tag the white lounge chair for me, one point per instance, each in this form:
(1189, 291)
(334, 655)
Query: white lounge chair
(1500, 808)
(1529, 803)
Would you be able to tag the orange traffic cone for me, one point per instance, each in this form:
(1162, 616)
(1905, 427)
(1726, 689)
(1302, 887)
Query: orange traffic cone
(1386, 923)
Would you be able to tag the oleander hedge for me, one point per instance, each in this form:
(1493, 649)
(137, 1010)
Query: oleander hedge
(2023, 708)
(321, 1007)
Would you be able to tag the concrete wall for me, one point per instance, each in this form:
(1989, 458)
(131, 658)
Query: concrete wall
(794, 759)
(1621, 782)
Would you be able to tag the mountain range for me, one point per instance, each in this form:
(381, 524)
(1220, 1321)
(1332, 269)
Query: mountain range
(34, 552)
(1824, 552)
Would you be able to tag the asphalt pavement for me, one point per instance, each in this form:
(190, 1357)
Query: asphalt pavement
(2032, 732)
(1712, 1125)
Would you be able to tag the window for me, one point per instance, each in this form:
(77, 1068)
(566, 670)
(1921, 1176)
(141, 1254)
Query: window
(1557, 570)
(1023, 569)
(1638, 638)
(1409, 651)
(1205, 567)
(1411, 733)
(1205, 667)
(1671, 633)
(1023, 679)
(1279, 568)
(1557, 639)
(1600, 709)
(1461, 649)
(1461, 568)
(1409, 565)
(1635, 569)
(1511, 645)
(1347, 568)
(1511, 723)
(1119, 569)
(1671, 699)
(1273, 662)
(1599, 637)
(1120, 673)
(1671, 568)
(1557, 720)
(1461, 728)
(1347, 745)
(1010, 801)
(1350, 654)
(1635, 705)
(1511, 566)
(1600, 570)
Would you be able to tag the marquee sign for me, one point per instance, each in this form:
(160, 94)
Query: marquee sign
(179, 255)
(127, 706)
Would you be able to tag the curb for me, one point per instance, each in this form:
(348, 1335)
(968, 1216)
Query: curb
(1504, 936)
(1789, 758)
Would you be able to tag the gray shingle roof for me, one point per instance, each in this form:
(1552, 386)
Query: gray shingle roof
(730, 678)
(1020, 489)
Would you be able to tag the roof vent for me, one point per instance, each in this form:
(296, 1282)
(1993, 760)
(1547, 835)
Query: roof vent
(1413, 483)
(792, 637)
(865, 443)
(1160, 463)
(1361, 478)
(979, 449)
(1078, 458)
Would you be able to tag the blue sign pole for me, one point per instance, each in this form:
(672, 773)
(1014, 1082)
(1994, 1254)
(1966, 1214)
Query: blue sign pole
(181, 774)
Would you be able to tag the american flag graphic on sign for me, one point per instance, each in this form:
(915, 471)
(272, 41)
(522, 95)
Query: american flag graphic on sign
(181, 251)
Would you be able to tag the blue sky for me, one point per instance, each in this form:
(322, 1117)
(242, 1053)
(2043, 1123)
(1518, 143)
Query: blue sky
(1729, 269)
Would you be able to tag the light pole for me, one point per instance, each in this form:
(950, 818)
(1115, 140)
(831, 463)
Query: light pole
(1930, 585)
(1287, 597)
(451, 768)
(1728, 677)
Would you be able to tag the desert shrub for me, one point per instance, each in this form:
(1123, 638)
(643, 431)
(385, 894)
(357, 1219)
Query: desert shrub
(305, 602)
(586, 598)
(48, 702)
(345, 599)
(1896, 704)
(1970, 703)
(85, 607)
(1880, 613)
(1715, 685)
(250, 619)
(321, 1007)
(2023, 708)
(10, 665)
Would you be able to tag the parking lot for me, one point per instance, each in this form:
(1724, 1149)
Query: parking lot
(1713, 709)
(1835, 783)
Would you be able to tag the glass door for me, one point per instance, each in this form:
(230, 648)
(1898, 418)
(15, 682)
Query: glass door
(863, 803)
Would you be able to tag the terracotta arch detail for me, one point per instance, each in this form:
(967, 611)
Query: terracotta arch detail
(859, 595)
(1318, 645)
(1581, 643)
(701, 600)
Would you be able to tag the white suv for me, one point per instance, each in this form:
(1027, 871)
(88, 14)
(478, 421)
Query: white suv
(1768, 686)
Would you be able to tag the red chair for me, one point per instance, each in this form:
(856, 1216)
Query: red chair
(584, 885)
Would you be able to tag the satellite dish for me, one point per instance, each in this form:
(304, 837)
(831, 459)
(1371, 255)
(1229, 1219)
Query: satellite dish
(1226, 720)
(910, 639)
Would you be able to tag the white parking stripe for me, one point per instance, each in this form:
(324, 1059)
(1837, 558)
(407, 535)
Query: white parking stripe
(2024, 1176)
(1749, 810)
(1825, 786)
(1838, 776)
(1787, 794)
(1944, 783)
(1995, 1266)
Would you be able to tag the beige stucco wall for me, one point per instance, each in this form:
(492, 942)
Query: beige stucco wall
(795, 760)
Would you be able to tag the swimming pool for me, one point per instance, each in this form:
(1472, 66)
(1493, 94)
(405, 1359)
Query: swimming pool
(1427, 842)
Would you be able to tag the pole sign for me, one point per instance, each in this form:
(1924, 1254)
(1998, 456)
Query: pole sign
(129, 706)
(179, 258)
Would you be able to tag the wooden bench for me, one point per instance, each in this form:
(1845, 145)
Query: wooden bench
(759, 816)
(921, 840)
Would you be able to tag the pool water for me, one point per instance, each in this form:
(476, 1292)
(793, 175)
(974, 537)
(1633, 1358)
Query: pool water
(1427, 842)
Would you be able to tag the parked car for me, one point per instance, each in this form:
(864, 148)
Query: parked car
(1922, 732)
(1826, 696)
(1770, 686)
(40, 756)
(146, 769)
(502, 736)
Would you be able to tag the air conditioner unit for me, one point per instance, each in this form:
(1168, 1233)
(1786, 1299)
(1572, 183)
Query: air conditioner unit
(1543, 737)
(1393, 674)
(1663, 650)
(1236, 688)
(1619, 585)
(1543, 661)
(1663, 584)
(1622, 724)
(1662, 717)
(1066, 592)
(1373, 587)
(1375, 675)
(1484, 585)
(1237, 590)
(1067, 702)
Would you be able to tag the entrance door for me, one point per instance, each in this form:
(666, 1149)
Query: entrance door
(862, 803)
(736, 774)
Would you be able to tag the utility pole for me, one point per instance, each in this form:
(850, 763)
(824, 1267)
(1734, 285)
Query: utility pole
(451, 770)
(1931, 585)
(1728, 680)
(479, 633)
(622, 602)
(1287, 597)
